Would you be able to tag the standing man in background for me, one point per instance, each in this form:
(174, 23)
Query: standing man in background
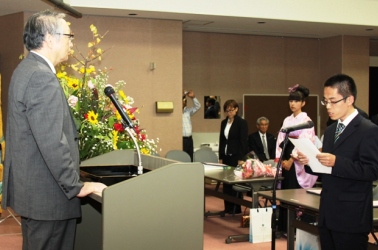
(261, 142)
(41, 171)
(187, 140)
(350, 148)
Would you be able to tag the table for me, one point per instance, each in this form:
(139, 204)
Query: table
(227, 176)
(294, 199)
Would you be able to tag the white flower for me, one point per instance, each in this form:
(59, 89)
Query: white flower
(72, 100)
(90, 84)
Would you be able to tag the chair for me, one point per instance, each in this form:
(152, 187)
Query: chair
(178, 155)
(205, 154)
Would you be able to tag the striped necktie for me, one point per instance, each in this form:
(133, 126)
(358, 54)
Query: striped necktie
(339, 130)
(265, 147)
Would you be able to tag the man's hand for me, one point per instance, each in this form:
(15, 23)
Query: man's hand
(326, 159)
(302, 158)
(91, 187)
(191, 94)
(286, 164)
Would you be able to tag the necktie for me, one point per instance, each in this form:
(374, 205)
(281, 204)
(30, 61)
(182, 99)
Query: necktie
(339, 130)
(265, 147)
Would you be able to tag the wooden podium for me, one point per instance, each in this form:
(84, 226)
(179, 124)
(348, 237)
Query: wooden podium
(161, 209)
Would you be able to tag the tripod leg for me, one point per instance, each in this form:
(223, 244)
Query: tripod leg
(10, 215)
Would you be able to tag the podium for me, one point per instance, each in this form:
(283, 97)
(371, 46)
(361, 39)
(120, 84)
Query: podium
(161, 209)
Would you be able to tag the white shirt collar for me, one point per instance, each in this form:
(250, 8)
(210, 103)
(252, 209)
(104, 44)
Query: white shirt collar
(47, 60)
(349, 118)
(261, 134)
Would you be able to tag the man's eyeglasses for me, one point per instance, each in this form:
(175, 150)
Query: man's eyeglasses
(230, 110)
(70, 36)
(325, 103)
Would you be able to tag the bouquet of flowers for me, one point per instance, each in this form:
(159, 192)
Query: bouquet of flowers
(99, 124)
(254, 168)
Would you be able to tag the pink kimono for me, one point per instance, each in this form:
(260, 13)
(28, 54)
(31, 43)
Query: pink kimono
(305, 180)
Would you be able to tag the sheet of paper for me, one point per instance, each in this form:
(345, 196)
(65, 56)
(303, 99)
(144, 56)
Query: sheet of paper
(213, 166)
(314, 191)
(305, 146)
(375, 203)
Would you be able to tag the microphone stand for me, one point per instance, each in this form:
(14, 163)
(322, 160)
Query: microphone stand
(131, 133)
(274, 202)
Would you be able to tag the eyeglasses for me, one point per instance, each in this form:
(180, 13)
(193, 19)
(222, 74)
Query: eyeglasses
(325, 103)
(229, 110)
(70, 36)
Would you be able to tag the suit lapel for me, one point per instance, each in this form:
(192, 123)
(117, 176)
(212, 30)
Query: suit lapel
(258, 140)
(349, 130)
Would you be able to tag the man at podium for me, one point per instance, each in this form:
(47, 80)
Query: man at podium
(41, 171)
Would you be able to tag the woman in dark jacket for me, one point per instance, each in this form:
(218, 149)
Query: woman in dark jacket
(233, 145)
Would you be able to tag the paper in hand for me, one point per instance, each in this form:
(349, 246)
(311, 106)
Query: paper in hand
(305, 146)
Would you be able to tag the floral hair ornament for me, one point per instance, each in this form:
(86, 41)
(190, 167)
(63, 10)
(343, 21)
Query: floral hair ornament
(293, 89)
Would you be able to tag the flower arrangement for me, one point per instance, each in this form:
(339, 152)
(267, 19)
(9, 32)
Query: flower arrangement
(254, 168)
(99, 124)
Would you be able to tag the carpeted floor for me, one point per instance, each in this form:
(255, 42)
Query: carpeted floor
(216, 230)
(10, 233)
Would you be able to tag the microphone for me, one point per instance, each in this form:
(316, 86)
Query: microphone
(109, 92)
(300, 126)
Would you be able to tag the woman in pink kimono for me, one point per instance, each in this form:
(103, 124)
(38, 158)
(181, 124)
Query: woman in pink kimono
(292, 171)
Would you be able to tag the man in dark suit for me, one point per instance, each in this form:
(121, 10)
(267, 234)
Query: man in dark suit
(210, 112)
(41, 171)
(346, 209)
(257, 140)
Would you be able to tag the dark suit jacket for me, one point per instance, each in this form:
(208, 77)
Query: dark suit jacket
(41, 169)
(237, 143)
(346, 198)
(255, 144)
(374, 119)
(211, 113)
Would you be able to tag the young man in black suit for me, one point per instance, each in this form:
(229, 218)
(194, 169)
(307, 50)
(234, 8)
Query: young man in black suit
(256, 143)
(346, 203)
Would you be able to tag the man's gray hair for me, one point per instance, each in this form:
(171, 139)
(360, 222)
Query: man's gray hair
(40, 24)
(260, 119)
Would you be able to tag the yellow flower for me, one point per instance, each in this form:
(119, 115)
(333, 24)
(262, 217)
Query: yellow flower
(132, 117)
(93, 29)
(145, 151)
(73, 83)
(92, 117)
(122, 95)
(118, 116)
(115, 139)
(74, 66)
(60, 75)
(91, 69)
